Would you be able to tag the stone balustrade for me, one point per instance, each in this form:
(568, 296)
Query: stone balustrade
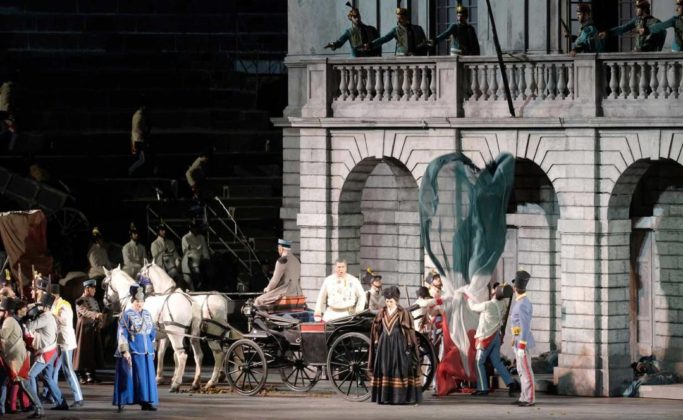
(551, 86)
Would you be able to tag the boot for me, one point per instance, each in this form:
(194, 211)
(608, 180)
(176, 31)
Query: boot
(514, 388)
(63, 406)
(36, 415)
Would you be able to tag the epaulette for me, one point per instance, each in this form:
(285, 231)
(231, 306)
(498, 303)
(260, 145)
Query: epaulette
(282, 260)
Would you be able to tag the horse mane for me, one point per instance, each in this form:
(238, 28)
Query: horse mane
(162, 276)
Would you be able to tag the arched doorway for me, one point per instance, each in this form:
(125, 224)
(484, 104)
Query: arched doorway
(378, 204)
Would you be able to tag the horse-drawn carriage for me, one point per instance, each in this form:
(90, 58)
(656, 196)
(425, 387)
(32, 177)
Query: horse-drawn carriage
(303, 350)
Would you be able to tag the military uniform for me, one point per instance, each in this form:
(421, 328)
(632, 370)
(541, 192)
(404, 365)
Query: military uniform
(520, 325)
(340, 297)
(463, 39)
(134, 255)
(285, 281)
(648, 41)
(88, 354)
(358, 35)
(98, 258)
(586, 42)
(165, 254)
(675, 22)
(410, 39)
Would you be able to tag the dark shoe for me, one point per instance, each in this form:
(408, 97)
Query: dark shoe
(518, 402)
(77, 404)
(480, 393)
(63, 406)
(526, 404)
(514, 388)
(119, 409)
(36, 415)
(148, 407)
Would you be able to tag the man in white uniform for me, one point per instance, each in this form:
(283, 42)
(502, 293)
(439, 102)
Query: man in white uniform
(340, 295)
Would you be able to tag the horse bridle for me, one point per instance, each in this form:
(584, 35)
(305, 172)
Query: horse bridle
(122, 300)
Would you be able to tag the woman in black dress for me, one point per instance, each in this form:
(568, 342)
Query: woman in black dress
(394, 354)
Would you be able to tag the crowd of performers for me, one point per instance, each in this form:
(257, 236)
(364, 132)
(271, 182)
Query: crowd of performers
(38, 341)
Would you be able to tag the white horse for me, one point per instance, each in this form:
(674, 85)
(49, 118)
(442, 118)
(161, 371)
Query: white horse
(175, 314)
(214, 306)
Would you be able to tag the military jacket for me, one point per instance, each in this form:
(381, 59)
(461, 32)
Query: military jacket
(98, 258)
(359, 35)
(586, 41)
(675, 22)
(163, 247)
(136, 332)
(133, 257)
(410, 40)
(520, 317)
(463, 39)
(648, 41)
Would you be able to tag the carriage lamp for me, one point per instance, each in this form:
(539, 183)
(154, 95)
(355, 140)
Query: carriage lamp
(247, 308)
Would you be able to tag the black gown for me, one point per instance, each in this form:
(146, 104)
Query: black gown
(395, 378)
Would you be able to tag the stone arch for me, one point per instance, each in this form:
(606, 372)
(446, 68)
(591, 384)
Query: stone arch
(378, 222)
(533, 214)
(646, 204)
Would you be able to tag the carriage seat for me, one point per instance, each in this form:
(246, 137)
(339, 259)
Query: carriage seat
(285, 304)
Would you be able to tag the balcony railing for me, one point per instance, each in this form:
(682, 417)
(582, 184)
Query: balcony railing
(555, 86)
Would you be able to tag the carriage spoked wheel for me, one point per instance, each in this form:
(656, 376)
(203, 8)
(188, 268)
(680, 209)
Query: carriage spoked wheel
(427, 361)
(347, 366)
(299, 376)
(246, 368)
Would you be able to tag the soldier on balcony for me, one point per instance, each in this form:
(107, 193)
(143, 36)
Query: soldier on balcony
(358, 35)
(410, 39)
(676, 22)
(588, 33)
(463, 36)
(643, 19)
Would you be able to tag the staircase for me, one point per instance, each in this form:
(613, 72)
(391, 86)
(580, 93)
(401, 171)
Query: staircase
(81, 68)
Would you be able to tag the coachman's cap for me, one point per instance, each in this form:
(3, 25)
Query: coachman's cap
(284, 243)
(402, 11)
(391, 292)
(521, 279)
(90, 283)
(583, 8)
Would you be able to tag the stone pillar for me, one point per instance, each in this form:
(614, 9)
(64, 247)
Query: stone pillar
(314, 219)
(290, 185)
(594, 358)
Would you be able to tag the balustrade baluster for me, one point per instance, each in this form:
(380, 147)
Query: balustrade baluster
(352, 83)
(561, 82)
(674, 80)
(570, 80)
(432, 83)
(485, 83)
(633, 80)
(552, 85)
(654, 83)
(495, 92)
(369, 73)
(512, 80)
(664, 80)
(423, 83)
(474, 76)
(415, 85)
(541, 81)
(343, 86)
(643, 85)
(360, 85)
(623, 81)
(613, 80)
(679, 91)
(522, 81)
(396, 93)
(533, 87)
(379, 87)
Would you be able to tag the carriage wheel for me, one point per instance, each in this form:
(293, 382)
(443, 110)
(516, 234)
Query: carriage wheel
(426, 362)
(71, 221)
(347, 366)
(246, 368)
(299, 376)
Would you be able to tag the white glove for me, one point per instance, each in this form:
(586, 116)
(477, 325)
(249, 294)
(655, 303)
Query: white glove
(317, 318)
(520, 352)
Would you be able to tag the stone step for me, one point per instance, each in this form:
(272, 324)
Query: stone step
(669, 392)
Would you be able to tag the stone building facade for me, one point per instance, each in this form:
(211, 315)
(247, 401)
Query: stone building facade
(596, 214)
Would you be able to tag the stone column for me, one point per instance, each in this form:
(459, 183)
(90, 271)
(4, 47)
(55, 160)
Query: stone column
(290, 185)
(314, 218)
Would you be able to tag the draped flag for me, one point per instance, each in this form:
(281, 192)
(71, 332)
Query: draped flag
(463, 227)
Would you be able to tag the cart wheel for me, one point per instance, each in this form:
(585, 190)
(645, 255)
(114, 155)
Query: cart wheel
(299, 376)
(246, 368)
(427, 361)
(347, 366)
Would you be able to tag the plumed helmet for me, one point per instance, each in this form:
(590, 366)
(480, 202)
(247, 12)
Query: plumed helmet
(521, 279)
(391, 292)
(353, 12)
(462, 10)
(583, 8)
(643, 4)
(96, 234)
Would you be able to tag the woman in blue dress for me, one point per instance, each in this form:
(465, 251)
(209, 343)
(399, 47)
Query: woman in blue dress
(135, 379)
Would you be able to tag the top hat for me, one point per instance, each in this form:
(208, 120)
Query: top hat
(391, 292)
